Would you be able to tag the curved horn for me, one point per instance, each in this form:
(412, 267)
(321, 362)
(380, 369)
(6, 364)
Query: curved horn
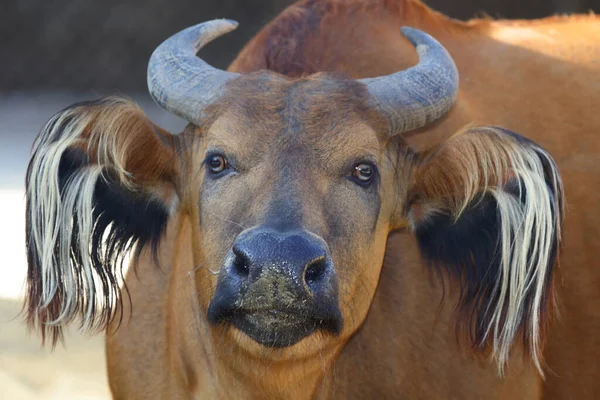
(419, 95)
(179, 81)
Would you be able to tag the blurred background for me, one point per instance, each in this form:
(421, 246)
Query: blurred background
(54, 53)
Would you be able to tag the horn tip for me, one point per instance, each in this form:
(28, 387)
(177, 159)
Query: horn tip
(416, 36)
(227, 24)
(231, 22)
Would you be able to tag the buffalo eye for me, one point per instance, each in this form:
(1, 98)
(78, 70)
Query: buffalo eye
(217, 163)
(363, 173)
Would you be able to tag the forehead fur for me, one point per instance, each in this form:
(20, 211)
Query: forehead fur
(314, 104)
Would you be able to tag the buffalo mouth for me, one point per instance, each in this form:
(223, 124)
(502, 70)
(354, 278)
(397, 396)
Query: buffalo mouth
(277, 287)
(278, 328)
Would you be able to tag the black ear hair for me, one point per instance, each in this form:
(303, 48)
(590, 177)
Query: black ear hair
(486, 208)
(100, 183)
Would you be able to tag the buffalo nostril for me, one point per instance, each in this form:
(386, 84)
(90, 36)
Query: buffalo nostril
(315, 270)
(241, 263)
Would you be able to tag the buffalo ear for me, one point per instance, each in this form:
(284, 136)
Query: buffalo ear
(486, 208)
(101, 181)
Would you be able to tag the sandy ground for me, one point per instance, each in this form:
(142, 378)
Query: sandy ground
(28, 371)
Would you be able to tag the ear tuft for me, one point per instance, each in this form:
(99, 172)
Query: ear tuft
(486, 208)
(91, 185)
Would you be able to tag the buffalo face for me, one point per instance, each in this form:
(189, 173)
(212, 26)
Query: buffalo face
(298, 185)
(290, 208)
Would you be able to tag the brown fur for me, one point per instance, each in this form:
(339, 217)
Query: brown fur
(314, 136)
(294, 143)
(534, 77)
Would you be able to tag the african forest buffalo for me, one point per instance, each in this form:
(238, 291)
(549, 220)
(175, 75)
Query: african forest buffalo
(294, 242)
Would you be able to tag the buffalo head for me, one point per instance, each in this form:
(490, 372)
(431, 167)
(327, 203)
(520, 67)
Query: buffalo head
(292, 187)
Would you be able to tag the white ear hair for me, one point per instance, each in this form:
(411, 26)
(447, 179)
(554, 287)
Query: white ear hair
(79, 155)
(482, 163)
(52, 210)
